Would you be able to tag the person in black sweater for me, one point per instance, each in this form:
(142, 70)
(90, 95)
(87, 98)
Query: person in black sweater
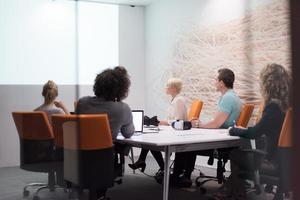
(275, 87)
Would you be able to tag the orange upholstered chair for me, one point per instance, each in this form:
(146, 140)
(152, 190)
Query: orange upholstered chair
(195, 109)
(245, 115)
(88, 150)
(260, 111)
(36, 147)
(285, 139)
(279, 174)
(282, 172)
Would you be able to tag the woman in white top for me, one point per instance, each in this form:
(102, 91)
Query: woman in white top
(176, 111)
(50, 105)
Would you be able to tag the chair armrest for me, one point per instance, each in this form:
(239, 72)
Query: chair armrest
(256, 152)
(257, 157)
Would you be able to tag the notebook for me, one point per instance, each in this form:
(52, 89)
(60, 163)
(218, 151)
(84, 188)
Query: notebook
(138, 122)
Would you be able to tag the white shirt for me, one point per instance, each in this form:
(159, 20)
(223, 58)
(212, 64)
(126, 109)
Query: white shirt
(177, 109)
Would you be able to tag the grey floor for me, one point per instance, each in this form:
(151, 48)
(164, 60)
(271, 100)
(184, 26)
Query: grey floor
(136, 186)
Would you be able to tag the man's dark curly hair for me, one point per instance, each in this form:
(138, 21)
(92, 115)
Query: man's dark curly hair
(112, 84)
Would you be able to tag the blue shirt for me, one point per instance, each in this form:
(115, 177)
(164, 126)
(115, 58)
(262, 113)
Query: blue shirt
(230, 104)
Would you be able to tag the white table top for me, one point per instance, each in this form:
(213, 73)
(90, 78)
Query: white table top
(169, 136)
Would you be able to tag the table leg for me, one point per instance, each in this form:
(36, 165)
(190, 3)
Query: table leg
(167, 173)
(132, 157)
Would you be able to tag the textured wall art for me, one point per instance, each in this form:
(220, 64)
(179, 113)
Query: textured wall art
(244, 45)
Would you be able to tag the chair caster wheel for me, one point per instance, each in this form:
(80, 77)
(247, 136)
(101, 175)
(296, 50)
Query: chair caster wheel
(35, 197)
(25, 193)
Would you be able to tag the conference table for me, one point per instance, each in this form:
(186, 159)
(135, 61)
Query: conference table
(170, 140)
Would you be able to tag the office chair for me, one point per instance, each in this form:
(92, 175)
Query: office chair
(245, 115)
(260, 111)
(89, 159)
(275, 175)
(37, 152)
(223, 154)
(195, 110)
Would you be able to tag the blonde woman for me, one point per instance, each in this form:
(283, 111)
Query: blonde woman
(177, 110)
(50, 105)
(275, 88)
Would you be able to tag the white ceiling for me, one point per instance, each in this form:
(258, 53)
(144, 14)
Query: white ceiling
(125, 2)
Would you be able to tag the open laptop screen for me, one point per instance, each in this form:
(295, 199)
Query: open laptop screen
(138, 118)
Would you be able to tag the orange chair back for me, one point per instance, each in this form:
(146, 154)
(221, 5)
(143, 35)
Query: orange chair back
(195, 110)
(82, 132)
(33, 125)
(57, 125)
(245, 115)
(260, 111)
(285, 138)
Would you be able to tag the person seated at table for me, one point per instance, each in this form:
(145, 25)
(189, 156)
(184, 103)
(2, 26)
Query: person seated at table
(111, 87)
(177, 110)
(275, 88)
(50, 105)
(229, 107)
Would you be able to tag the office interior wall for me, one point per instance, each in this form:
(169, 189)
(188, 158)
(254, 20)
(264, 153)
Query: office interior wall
(37, 41)
(132, 52)
(26, 97)
(192, 39)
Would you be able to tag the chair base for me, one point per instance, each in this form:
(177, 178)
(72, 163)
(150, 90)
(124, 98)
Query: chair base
(39, 187)
(206, 179)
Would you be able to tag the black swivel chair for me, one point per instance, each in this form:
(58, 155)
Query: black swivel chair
(89, 157)
(37, 152)
(222, 155)
(270, 175)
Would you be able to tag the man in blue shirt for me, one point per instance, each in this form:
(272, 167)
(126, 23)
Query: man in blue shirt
(229, 105)
(229, 108)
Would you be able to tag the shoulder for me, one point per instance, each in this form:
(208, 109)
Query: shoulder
(38, 108)
(180, 99)
(85, 99)
(231, 95)
(272, 107)
(229, 98)
(124, 106)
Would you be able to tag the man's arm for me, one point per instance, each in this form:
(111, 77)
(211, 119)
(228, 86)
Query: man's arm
(217, 122)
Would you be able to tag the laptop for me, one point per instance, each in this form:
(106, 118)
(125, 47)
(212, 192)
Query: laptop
(138, 122)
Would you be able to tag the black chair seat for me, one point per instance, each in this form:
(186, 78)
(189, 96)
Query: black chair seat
(43, 167)
(268, 168)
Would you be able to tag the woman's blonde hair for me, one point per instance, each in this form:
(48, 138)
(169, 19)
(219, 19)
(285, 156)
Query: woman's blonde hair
(176, 83)
(275, 82)
(50, 91)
